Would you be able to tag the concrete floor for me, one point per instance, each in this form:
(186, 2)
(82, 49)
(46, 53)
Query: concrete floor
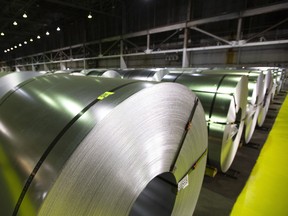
(219, 194)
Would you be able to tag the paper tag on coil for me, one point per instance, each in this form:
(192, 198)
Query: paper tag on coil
(183, 183)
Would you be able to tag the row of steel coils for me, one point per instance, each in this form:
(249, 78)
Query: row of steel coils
(92, 145)
(234, 101)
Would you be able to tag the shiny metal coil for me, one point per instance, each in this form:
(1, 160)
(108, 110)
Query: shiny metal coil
(224, 99)
(75, 145)
(101, 73)
(186, 70)
(268, 91)
(278, 77)
(255, 96)
(10, 81)
(155, 74)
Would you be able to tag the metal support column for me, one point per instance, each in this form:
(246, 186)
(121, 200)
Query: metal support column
(185, 56)
(238, 38)
(62, 66)
(148, 44)
(239, 28)
(45, 67)
(84, 60)
(71, 54)
(122, 61)
(33, 67)
(100, 49)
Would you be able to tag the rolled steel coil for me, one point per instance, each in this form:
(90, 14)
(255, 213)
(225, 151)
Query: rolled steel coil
(278, 77)
(144, 74)
(101, 73)
(186, 70)
(268, 90)
(73, 145)
(254, 99)
(3, 73)
(224, 98)
(9, 81)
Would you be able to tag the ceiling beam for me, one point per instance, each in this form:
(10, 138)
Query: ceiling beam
(76, 6)
(236, 15)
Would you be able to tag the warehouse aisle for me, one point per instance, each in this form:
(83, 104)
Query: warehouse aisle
(266, 190)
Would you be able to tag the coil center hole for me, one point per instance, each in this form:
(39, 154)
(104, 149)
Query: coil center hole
(157, 198)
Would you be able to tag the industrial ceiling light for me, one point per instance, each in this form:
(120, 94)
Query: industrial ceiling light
(25, 15)
(47, 33)
(25, 42)
(5, 51)
(20, 45)
(8, 50)
(58, 29)
(2, 34)
(90, 16)
(11, 48)
(38, 37)
(31, 40)
(15, 47)
(15, 23)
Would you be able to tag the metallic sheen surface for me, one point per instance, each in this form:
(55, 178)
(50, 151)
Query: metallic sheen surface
(101, 73)
(76, 145)
(145, 74)
(254, 99)
(224, 99)
(9, 81)
(268, 91)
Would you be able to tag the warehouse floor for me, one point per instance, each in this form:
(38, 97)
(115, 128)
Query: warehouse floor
(219, 194)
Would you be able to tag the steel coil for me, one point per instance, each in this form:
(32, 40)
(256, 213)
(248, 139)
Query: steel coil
(73, 145)
(267, 97)
(269, 89)
(101, 73)
(9, 81)
(224, 98)
(3, 73)
(186, 70)
(254, 99)
(144, 74)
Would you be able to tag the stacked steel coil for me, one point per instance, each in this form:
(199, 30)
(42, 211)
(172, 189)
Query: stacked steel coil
(224, 98)
(268, 92)
(255, 96)
(101, 73)
(144, 74)
(75, 145)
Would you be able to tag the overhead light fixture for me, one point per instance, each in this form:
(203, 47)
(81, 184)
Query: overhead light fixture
(11, 48)
(38, 37)
(5, 51)
(58, 29)
(25, 15)
(90, 16)
(47, 33)
(2, 34)
(31, 40)
(15, 23)
(25, 42)
(15, 47)
(8, 50)
(20, 45)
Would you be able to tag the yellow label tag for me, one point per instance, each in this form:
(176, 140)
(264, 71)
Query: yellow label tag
(105, 95)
